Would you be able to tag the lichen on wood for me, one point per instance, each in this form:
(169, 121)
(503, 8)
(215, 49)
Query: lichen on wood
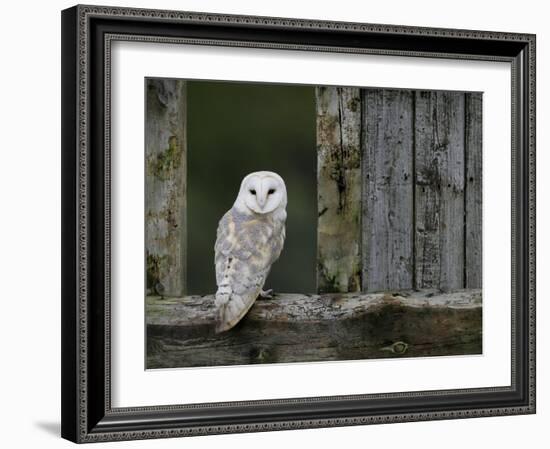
(165, 186)
(338, 189)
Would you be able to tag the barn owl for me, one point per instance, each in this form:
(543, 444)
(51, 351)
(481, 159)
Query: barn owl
(250, 238)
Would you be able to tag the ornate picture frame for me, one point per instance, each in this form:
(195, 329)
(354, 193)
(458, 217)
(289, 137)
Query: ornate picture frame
(87, 35)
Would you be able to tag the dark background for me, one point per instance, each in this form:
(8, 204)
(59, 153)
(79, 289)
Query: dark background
(238, 128)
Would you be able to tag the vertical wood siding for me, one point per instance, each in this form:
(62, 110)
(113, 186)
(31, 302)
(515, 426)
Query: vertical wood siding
(439, 190)
(165, 187)
(420, 208)
(387, 189)
(473, 192)
(339, 189)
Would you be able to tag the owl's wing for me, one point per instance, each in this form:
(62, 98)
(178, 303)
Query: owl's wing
(243, 257)
(278, 241)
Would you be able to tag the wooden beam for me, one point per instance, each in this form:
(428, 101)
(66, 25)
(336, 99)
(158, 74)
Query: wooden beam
(304, 328)
(338, 189)
(165, 186)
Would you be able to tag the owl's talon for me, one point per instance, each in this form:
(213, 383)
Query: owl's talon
(267, 294)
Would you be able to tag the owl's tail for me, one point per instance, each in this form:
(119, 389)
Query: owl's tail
(231, 306)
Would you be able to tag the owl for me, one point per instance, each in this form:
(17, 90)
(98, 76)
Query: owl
(250, 238)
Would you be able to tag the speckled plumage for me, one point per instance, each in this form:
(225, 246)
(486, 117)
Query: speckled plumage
(247, 244)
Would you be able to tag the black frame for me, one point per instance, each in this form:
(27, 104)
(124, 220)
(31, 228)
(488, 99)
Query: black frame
(87, 32)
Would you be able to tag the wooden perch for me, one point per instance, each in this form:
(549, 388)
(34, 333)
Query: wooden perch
(306, 328)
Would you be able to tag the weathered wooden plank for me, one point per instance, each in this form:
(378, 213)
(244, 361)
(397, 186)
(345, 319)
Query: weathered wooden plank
(473, 190)
(339, 189)
(165, 187)
(299, 328)
(388, 189)
(439, 189)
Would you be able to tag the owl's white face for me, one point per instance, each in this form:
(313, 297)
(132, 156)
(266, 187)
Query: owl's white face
(262, 192)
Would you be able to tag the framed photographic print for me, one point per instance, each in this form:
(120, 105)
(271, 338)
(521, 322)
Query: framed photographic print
(284, 223)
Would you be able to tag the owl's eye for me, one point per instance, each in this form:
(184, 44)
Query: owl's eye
(252, 191)
(271, 191)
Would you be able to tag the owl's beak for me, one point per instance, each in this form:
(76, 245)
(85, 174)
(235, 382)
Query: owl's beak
(262, 200)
